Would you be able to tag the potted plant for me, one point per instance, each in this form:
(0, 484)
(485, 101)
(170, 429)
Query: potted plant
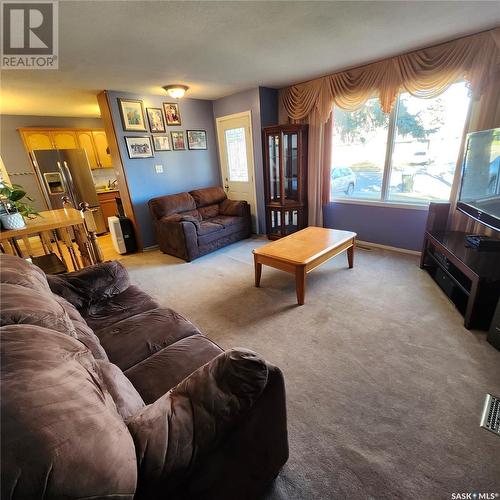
(13, 208)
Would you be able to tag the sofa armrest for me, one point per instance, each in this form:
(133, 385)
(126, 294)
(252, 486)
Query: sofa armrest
(232, 207)
(90, 284)
(178, 237)
(173, 434)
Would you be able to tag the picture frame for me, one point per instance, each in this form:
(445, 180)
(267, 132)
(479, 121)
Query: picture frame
(155, 119)
(196, 139)
(178, 140)
(172, 113)
(161, 143)
(139, 147)
(132, 114)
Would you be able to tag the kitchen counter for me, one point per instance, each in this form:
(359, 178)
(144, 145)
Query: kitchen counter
(102, 191)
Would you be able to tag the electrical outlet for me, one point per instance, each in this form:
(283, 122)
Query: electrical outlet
(159, 169)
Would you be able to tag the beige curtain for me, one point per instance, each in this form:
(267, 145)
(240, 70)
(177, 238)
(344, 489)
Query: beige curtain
(319, 154)
(423, 73)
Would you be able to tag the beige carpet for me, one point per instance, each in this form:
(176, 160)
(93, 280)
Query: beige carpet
(384, 385)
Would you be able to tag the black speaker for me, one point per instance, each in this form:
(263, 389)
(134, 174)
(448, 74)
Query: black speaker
(437, 219)
(494, 332)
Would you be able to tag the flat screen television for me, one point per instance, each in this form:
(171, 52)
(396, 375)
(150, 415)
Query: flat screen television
(479, 195)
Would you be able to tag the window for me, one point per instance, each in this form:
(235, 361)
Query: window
(358, 152)
(236, 155)
(408, 156)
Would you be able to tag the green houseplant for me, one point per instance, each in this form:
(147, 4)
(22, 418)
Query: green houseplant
(14, 206)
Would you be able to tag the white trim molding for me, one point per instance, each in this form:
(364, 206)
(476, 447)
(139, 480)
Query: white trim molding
(385, 204)
(368, 244)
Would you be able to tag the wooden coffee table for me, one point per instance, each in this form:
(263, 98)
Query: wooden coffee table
(303, 251)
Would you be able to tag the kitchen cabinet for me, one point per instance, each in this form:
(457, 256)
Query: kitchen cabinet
(108, 204)
(37, 140)
(86, 142)
(101, 148)
(64, 139)
(93, 141)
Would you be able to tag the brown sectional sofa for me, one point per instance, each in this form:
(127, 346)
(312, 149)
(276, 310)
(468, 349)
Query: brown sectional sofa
(189, 225)
(105, 394)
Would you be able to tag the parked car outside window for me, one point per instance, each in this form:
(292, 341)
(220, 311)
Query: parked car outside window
(343, 179)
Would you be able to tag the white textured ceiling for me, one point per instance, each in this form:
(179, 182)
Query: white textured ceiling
(219, 48)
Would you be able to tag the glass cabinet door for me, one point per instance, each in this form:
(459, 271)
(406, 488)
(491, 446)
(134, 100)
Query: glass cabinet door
(273, 145)
(290, 165)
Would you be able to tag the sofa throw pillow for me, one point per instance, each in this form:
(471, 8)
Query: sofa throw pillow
(127, 400)
(90, 284)
(232, 207)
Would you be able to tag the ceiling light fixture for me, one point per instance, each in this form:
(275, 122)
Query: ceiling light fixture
(176, 91)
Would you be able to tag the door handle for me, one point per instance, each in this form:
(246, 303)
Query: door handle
(70, 183)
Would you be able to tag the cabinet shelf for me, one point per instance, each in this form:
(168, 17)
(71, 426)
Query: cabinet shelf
(285, 174)
(449, 274)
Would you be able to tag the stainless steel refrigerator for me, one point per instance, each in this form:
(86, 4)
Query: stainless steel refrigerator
(66, 172)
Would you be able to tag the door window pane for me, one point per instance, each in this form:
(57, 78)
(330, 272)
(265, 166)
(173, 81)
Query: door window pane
(236, 148)
(358, 151)
(426, 145)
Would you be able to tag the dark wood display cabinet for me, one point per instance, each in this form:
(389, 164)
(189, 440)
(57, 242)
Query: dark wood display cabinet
(469, 277)
(285, 176)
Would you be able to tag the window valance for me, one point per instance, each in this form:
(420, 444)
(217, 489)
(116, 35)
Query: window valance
(423, 73)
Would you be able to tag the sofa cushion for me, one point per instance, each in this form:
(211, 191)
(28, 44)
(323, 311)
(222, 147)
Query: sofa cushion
(209, 228)
(20, 305)
(190, 216)
(232, 207)
(18, 271)
(229, 221)
(208, 196)
(165, 369)
(171, 204)
(83, 332)
(209, 211)
(91, 284)
(60, 428)
(124, 305)
(134, 339)
(127, 400)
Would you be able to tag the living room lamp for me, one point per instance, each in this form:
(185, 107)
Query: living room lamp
(176, 91)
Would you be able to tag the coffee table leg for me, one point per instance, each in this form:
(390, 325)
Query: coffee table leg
(258, 271)
(300, 284)
(350, 256)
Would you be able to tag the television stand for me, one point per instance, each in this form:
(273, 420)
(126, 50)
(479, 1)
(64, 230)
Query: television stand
(482, 242)
(468, 276)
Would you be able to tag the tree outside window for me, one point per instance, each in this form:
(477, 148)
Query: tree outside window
(424, 145)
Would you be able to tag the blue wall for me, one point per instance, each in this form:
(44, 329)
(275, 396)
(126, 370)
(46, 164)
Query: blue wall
(262, 103)
(392, 226)
(268, 99)
(182, 170)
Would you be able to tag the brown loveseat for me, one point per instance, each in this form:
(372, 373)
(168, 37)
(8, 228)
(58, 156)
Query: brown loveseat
(189, 225)
(105, 394)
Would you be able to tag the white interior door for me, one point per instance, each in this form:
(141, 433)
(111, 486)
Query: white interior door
(234, 134)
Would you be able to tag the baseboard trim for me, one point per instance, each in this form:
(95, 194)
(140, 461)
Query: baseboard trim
(369, 244)
(151, 247)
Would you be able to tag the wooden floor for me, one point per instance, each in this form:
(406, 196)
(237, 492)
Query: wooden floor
(106, 245)
(104, 242)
